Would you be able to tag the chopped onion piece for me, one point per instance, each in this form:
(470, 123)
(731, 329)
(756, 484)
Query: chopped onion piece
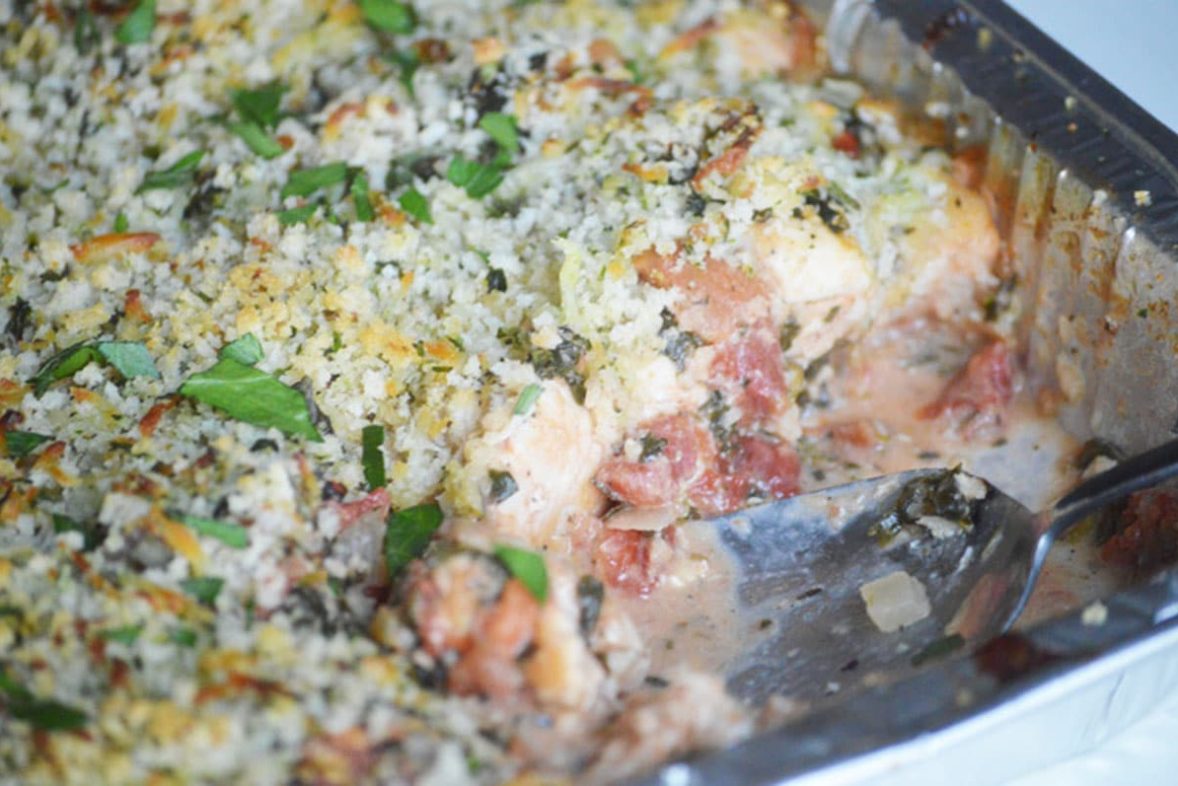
(894, 601)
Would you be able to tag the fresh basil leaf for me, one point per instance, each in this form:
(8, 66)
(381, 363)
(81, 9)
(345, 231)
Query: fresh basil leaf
(502, 128)
(137, 26)
(130, 358)
(205, 588)
(185, 637)
(408, 533)
(62, 366)
(304, 182)
(257, 140)
(260, 105)
(128, 634)
(22, 443)
(296, 215)
(415, 204)
(246, 350)
(177, 175)
(528, 567)
(388, 16)
(121, 223)
(91, 535)
(372, 457)
(360, 200)
(232, 535)
(527, 398)
(252, 396)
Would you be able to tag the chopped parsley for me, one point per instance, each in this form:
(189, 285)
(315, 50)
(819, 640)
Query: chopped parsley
(360, 200)
(128, 634)
(388, 16)
(121, 223)
(205, 588)
(408, 533)
(41, 714)
(252, 396)
(178, 175)
(372, 456)
(232, 535)
(528, 567)
(304, 182)
(246, 350)
(22, 443)
(477, 179)
(527, 398)
(136, 27)
(259, 106)
(415, 204)
(257, 139)
(296, 215)
(501, 128)
(130, 358)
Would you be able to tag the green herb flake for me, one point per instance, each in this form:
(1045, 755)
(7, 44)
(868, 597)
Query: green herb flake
(415, 204)
(502, 128)
(41, 714)
(360, 199)
(388, 16)
(478, 179)
(503, 485)
(233, 535)
(86, 33)
(260, 105)
(91, 536)
(304, 182)
(130, 358)
(252, 396)
(296, 215)
(205, 589)
(527, 397)
(178, 175)
(372, 457)
(257, 140)
(22, 443)
(137, 26)
(408, 533)
(407, 63)
(246, 350)
(62, 366)
(184, 637)
(121, 223)
(128, 634)
(528, 567)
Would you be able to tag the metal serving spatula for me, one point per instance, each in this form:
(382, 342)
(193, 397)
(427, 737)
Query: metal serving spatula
(811, 570)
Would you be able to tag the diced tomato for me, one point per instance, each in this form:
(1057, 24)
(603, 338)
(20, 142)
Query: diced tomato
(767, 468)
(1150, 537)
(977, 397)
(752, 370)
(717, 299)
(662, 478)
(847, 142)
(622, 560)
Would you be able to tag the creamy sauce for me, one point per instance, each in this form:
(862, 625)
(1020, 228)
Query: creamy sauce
(694, 619)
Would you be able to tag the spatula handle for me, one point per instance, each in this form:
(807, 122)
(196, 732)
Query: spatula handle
(1139, 472)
